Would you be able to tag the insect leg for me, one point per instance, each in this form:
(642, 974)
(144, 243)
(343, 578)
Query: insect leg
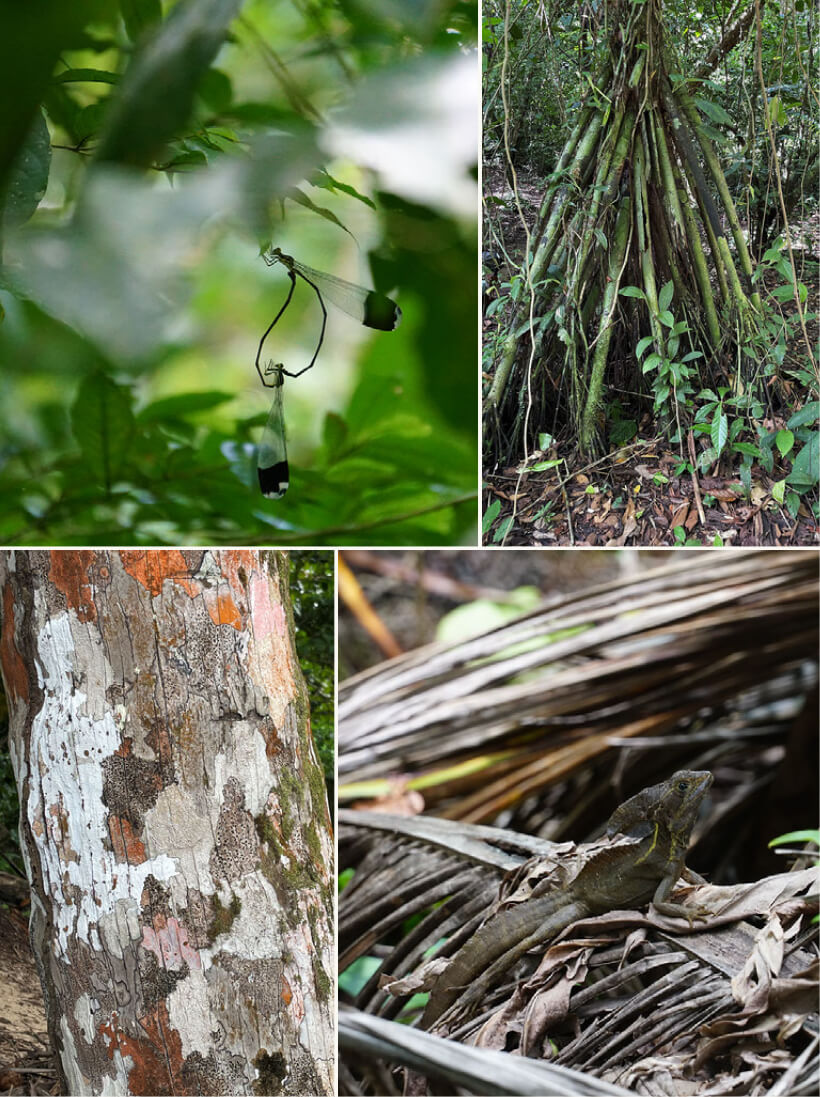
(272, 325)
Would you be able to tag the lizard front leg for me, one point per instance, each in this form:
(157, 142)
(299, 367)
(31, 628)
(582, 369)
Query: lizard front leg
(678, 910)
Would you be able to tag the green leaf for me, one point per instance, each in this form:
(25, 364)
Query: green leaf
(87, 76)
(545, 440)
(600, 236)
(642, 345)
(157, 92)
(503, 530)
(334, 435)
(719, 432)
(746, 448)
(665, 296)
(216, 91)
(540, 466)
(138, 15)
(667, 319)
(806, 466)
(777, 112)
(171, 407)
(301, 199)
(623, 431)
(103, 423)
(714, 110)
(653, 360)
(796, 836)
(326, 182)
(806, 415)
(632, 291)
(783, 293)
(490, 515)
(779, 491)
(784, 441)
(28, 178)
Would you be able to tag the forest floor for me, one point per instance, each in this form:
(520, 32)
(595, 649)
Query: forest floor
(644, 493)
(26, 1065)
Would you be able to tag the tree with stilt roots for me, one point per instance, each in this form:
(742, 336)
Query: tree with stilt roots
(637, 262)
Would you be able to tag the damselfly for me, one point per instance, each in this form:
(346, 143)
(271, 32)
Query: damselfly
(370, 308)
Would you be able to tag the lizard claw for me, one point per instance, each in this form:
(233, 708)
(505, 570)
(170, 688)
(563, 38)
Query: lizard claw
(691, 914)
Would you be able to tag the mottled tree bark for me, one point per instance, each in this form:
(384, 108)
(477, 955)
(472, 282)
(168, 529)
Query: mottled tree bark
(173, 820)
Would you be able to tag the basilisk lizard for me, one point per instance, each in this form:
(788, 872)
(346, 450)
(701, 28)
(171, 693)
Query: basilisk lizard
(656, 823)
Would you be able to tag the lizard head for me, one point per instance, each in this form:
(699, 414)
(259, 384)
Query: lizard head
(681, 796)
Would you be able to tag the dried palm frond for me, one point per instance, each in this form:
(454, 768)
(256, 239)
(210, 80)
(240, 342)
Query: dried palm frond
(703, 664)
(635, 1011)
(468, 1068)
(480, 725)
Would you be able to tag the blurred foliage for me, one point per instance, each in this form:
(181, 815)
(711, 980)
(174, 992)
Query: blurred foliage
(150, 150)
(312, 585)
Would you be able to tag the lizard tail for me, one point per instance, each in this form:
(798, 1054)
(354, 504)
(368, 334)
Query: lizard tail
(492, 956)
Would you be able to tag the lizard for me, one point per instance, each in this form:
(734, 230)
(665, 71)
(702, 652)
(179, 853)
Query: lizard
(621, 876)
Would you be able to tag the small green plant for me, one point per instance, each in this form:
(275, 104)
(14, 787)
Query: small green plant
(672, 383)
(621, 430)
(808, 835)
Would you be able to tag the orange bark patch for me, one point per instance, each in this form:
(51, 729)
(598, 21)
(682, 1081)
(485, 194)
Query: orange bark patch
(287, 993)
(126, 844)
(273, 744)
(222, 609)
(69, 572)
(156, 1053)
(152, 568)
(14, 668)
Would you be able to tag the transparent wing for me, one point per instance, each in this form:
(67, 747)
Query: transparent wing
(372, 309)
(272, 461)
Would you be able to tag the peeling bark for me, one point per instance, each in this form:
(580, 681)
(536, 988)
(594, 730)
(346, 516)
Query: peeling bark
(174, 821)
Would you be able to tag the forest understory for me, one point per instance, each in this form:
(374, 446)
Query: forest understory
(638, 493)
(650, 275)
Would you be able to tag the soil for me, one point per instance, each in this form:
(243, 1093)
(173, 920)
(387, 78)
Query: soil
(26, 1065)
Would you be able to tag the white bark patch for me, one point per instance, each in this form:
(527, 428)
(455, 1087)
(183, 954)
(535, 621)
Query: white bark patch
(67, 748)
(122, 926)
(118, 1085)
(256, 932)
(248, 764)
(190, 1012)
(175, 823)
(84, 1016)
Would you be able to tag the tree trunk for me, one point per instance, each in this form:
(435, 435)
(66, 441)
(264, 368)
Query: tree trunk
(174, 821)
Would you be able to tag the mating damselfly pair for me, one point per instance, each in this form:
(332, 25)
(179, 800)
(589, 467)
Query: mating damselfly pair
(370, 308)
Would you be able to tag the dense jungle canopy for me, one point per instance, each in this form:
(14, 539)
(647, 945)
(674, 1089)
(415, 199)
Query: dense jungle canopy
(650, 264)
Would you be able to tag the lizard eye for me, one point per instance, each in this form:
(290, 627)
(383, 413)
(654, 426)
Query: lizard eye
(683, 786)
